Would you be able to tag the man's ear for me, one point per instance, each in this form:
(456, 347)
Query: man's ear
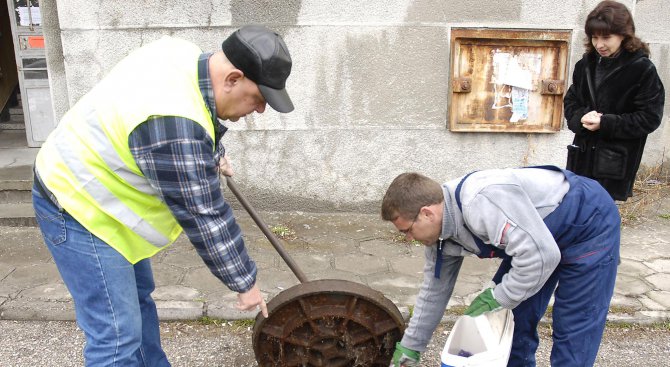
(232, 78)
(430, 213)
(425, 210)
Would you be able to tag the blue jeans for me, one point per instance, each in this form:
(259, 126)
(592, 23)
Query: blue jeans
(112, 297)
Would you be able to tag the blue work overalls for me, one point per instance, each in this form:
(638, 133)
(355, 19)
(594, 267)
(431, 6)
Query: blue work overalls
(586, 227)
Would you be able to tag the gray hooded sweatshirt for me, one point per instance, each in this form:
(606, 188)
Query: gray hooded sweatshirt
(504, 208)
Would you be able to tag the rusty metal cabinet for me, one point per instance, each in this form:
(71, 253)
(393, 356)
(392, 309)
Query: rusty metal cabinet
(507, 80)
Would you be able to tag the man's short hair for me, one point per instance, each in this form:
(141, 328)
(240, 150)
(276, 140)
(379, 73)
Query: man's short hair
(407, 194)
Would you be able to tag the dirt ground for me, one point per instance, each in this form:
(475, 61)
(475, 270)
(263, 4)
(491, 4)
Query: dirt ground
(195, 344)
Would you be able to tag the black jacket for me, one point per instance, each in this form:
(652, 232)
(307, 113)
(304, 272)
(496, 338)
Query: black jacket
(630, 97)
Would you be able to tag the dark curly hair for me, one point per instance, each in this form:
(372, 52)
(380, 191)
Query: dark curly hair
(611, 17)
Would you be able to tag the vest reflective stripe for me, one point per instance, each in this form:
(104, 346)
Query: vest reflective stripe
(111, 157)
(105, 199)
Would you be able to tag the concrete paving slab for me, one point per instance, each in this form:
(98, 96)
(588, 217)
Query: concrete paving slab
(17, 215)
(176, 293)
(650, 304)
(661, 297)
(377, 247)
(22, 246)
(337, 274)
(660, 265)
(408, 265)
(277, 281)
(56, 292)
(635, 268)
(311, 262)
(28, 276)
(5, 268)
(625, 301)
(222, 306)
(180, 310)
(167, 275)
(632, 285)
(473, 266)
(30, 309)
(660, 281)
(361, 264)
(203, 280)
(182, 255)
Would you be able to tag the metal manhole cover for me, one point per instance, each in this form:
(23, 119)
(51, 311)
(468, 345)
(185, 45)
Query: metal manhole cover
(328, 323)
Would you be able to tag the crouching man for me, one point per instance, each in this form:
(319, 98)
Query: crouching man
(557, 234)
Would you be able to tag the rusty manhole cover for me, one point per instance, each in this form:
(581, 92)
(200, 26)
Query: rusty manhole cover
(328, 323)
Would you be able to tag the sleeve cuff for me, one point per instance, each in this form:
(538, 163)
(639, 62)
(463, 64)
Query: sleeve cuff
(502, 298)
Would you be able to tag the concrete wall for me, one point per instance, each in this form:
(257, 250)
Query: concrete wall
(370, 84)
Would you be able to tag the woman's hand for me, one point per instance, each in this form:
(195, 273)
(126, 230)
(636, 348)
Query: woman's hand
(591, 121)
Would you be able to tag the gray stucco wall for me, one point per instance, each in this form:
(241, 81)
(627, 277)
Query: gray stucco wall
(370, 84)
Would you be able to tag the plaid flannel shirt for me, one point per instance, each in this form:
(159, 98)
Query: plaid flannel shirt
(175, 154)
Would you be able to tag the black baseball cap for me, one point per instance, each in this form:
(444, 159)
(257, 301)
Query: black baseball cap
(263, 57)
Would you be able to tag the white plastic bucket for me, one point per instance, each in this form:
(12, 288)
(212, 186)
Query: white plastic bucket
(486, 338)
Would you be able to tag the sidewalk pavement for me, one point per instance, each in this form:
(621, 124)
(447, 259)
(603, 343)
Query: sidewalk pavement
(350, 246)
(355, 247)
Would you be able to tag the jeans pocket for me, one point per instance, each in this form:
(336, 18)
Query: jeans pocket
(52, 227)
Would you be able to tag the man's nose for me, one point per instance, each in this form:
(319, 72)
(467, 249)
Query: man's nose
(261, 107)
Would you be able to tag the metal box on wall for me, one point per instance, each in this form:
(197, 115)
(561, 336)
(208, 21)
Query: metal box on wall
(507, 80)
(26, 20)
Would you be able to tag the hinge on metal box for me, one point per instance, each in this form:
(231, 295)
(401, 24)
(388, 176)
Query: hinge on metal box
(462, 85)
(552, 86)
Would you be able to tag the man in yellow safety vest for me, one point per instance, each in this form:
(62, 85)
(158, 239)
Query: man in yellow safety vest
(137, 160)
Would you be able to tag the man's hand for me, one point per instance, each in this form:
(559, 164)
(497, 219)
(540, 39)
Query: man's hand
(483, 303)
(403, 357)
(250, 300)
(224, 166)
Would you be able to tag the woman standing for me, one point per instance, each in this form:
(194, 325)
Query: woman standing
(615, 101)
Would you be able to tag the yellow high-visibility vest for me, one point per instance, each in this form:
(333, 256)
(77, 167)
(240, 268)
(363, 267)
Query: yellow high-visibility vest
(86, 161)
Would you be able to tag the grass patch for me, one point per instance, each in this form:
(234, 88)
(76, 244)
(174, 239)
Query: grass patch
(234, 324)
(613, 309)
(401, 238)
(657, 326)
(206, 320)
(651, 184)
(622, 309)
(243, 323)
(284, 232)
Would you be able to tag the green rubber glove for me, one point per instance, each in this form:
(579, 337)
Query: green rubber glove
(483, 303)
(403, 357)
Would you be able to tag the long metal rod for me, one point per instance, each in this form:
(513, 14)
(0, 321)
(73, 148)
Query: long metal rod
(266, 231)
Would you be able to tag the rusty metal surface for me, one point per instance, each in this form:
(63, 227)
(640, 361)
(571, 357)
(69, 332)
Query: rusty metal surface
(462, 85)
(328, 323)
(481, 95)
(551, 86)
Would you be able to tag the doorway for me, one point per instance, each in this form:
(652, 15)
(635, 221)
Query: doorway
(9, 78)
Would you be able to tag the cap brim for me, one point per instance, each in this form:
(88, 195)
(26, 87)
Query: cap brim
(278, 99)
